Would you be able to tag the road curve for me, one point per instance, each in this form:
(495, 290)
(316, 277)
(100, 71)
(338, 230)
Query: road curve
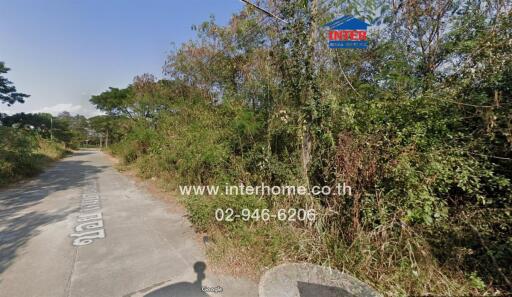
(83, 229)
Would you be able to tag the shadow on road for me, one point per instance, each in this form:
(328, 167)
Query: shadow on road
(184, 289)
(19, 223)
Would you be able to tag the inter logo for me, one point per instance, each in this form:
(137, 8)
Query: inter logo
(347, 32)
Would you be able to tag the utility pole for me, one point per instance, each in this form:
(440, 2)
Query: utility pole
(51, 127)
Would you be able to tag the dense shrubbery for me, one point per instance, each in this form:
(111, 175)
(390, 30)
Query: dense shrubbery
(420, 129)
(65, 128)
(24, 153)
(30, 141)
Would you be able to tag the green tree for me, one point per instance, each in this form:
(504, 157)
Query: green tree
(141, 100)
(8, 93)
(46, 125)
(112, 129)
(115, 101)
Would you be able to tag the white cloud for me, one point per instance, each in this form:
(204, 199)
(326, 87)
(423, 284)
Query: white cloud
(91, 112)
(58, 108)
(88, 110)
(71, 108)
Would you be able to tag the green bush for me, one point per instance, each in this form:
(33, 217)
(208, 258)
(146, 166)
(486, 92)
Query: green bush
(23, 153)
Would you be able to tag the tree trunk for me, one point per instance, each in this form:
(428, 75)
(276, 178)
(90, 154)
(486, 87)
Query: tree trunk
(307, 134)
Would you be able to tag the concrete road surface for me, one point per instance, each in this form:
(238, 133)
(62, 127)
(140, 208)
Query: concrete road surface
(83, 229)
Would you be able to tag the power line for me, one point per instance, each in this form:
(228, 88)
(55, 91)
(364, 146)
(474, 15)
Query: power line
(264, 11)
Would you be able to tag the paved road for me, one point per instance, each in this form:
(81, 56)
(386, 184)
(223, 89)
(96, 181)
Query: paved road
(83, 229)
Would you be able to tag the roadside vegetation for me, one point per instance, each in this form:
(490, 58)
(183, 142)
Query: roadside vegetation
(29, 142)
(419, 125)
(24, 154)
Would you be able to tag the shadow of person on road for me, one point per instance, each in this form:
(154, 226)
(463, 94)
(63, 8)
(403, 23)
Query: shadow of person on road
(184, 289)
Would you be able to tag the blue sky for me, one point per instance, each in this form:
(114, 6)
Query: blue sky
(63, 51)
